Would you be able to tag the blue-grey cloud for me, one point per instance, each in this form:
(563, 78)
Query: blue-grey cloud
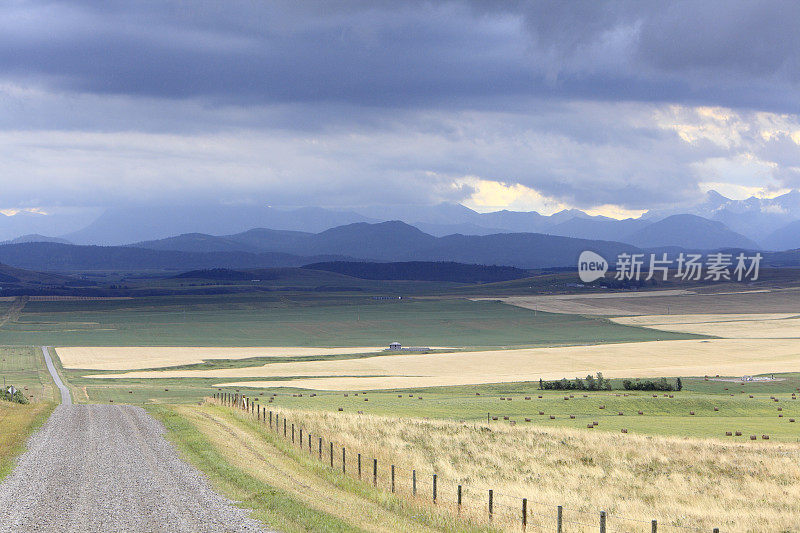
(410, 53)
(355, 102)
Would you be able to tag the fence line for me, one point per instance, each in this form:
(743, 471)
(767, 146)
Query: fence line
(492, 507)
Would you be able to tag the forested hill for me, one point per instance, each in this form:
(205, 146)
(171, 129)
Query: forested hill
(423, 271)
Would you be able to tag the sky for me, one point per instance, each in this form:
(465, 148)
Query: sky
(610, 107)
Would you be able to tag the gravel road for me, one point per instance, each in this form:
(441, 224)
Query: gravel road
(109, 468)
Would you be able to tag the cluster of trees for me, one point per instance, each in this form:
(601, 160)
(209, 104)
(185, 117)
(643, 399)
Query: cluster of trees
(17, 397)
(423, 271)
(648, 384)
(589, 383)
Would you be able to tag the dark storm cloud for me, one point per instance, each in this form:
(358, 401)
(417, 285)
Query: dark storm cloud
(348, 102)
(410, 53)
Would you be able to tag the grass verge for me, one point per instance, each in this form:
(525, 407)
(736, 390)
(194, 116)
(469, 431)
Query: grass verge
(286, 488)
(17, 422)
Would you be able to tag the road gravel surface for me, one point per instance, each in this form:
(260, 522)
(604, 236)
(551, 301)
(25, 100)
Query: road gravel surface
(109, 468)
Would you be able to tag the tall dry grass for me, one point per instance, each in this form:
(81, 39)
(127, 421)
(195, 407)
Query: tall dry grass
(681, 482)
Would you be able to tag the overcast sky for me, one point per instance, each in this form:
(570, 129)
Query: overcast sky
(612, 107)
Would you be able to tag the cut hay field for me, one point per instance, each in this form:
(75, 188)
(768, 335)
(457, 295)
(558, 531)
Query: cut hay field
(728, 357)
(680, 301)
(730, 326)
(305, 320)
(133, 357)
(683, 483)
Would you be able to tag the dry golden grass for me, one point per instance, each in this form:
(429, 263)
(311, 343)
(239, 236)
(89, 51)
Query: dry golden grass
(649, 359)
(731, 326)
(16, 424)
(664, 302)
(133, 357)
(612, 303)
(245, 448)
(678, 481)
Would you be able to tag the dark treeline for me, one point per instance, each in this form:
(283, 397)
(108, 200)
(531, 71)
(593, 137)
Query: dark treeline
(592, 383)
(648, 384)
(589, 383)
(423, 271)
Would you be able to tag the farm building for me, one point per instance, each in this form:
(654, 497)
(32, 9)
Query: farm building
(397, 347)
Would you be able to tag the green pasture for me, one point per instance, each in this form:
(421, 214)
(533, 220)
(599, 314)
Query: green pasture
(24, 367)
(303, 320)
(662, 415)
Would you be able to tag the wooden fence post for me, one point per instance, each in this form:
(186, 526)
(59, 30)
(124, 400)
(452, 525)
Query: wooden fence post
(270, 420)
(524, 514)
(491, 503)
(654, 526)
(374, 472)
(344, 462)
(301, 438)
(392, 478)
(459, 498)
(320, 448)
(284, 427)
(359, 467)
(414, 482)
(292, 433)
(434, 488)
(560, 519)
(602, 522)
(309, 443)
(331, 455)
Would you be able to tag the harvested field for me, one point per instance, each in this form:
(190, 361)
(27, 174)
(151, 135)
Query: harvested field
(681, 482)
(731, 326)
(663, 302)
(649, 359)
(134, 357)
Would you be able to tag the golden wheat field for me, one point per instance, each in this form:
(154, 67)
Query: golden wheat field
(648, 359)
(133, 357)
(730, 326)
(696, 483)
(664, 302)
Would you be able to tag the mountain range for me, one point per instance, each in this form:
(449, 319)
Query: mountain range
(713, 222)
(262, 248)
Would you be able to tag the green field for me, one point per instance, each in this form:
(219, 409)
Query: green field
(23, 367)
(661, 415)
(305, 320)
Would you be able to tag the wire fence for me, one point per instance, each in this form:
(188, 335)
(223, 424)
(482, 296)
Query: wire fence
(484, 506)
